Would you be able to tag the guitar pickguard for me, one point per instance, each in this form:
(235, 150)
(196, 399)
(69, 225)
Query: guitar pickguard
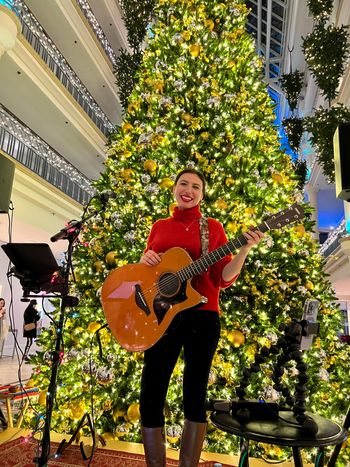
(162, 304)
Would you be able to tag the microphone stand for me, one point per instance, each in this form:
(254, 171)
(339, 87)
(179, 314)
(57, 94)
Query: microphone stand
(70, 233)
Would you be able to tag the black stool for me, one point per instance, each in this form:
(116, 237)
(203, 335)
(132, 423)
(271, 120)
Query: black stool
(283, 431)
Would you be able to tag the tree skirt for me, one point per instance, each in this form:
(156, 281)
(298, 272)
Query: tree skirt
(20, 453)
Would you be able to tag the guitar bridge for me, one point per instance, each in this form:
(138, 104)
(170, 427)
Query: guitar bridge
(140, 300)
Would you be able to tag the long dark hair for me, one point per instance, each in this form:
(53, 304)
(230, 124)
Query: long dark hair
(30, 305)
(194, 172)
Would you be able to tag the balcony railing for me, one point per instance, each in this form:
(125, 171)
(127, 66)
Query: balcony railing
(332, 242)
(100, 35)
(46, 49)
(19, 142)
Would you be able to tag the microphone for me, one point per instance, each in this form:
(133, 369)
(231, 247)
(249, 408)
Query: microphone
(105, 195)
(63, 233)
(74, 225)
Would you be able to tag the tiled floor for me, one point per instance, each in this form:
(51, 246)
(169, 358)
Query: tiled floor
(11, 371)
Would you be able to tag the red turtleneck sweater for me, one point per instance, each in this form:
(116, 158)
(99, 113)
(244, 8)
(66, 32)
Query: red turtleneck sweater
(171, 232)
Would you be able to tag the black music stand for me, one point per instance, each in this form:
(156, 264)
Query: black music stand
(35, 266)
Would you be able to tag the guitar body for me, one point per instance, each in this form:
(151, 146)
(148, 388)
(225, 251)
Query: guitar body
(140, 301)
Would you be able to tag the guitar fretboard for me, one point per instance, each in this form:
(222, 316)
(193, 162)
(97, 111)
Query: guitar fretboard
(204, 262)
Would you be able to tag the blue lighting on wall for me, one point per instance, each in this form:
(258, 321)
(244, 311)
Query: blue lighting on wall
(8, 3)
(347, 225)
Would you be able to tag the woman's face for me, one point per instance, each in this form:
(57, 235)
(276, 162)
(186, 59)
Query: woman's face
(2, 303)
(188, 191)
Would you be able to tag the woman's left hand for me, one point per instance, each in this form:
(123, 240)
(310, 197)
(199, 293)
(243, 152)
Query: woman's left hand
(253, 237)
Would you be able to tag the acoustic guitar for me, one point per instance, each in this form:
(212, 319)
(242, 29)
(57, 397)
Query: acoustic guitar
(140, 301)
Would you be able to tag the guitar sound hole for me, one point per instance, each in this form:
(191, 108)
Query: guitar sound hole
(169, 284)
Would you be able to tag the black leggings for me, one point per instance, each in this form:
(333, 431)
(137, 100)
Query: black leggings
(28, 346)
(198, 332)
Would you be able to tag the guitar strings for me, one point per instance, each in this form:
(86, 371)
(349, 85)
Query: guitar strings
(148, 293)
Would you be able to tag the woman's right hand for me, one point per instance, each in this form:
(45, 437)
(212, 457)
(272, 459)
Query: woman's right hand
(150, 258)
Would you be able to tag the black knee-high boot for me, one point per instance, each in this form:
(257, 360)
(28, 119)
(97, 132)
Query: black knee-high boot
(154, 446)
(191, 443)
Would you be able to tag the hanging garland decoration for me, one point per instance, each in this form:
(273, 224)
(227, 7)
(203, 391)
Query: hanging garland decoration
(300, 169)
(326, 51)
(137, 17)
(320, 9)
(127, 65)
(322, 126)
(294, 128)
(292, 84)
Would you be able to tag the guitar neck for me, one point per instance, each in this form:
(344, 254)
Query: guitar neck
(204, 262)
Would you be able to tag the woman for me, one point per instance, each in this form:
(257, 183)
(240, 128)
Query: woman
(3, 324)
(196, 330)
(31, 317)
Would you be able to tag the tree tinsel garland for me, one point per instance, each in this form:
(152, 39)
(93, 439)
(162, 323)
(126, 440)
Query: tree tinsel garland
(294, 128)
(320, 9)
(291, 84)
(326, 51)
(322, 126)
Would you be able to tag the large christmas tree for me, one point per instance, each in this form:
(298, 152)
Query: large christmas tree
(199, 102)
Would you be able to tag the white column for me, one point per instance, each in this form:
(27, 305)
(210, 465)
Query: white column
(9, 28)
(311, 193)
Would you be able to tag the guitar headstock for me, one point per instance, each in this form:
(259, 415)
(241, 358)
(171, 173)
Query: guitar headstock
(282, 218)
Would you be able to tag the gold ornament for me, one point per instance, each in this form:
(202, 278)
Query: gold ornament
(172, 206)
(229, 181)
(150, 165)
(236, 338)
(127, 126)
(111, 258)
(122, 430)
(108, 436)
(159, 85)
(186, 35)
(127, 175)
(221, 204)
(117, 413)
(133, 412)
(299, 231)
(250, 211)
(194, 50)
(126, 153)
(209, 23)
(77, 410)
(93, 327)
(107, 405)
(277, 177)
(42, 398)
(98, 266)
(232, 227)
(186, 117)
(166, 183)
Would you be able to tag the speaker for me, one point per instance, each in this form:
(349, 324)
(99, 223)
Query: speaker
(341, 147)
(7, 172)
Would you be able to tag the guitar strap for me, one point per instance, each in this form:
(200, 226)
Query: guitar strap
(204, 233)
